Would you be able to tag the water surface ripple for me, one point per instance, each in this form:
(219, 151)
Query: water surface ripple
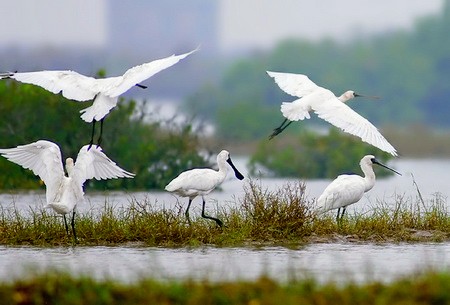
(338, 262)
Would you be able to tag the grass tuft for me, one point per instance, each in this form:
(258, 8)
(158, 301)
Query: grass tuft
(60, 288)
(261, 217)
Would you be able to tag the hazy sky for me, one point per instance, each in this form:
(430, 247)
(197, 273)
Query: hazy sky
(53, 22)
(263, 22)
(242, 24)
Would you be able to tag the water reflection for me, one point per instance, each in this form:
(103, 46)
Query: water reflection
(325, 262)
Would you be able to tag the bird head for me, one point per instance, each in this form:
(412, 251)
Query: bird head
(370, 159)
(350, 94)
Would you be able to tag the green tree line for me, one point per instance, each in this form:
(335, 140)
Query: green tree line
(154, 152)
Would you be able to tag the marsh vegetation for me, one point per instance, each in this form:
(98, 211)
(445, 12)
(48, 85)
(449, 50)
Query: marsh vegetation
(261, 217)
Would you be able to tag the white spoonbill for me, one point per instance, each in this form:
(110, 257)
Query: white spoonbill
(63, 192)
(349, 188)
(201, 181)
(105, 91)
(327, 106)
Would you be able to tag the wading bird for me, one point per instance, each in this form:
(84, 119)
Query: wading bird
(105, 91)
(348, 189)
(63, 192)
(201, 181)
(327, 107)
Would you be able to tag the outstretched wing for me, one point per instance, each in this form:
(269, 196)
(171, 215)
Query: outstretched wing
(72, 85)
(140, 73)
(340, 115)
(42, 157)
(93, 163)
(294, 84)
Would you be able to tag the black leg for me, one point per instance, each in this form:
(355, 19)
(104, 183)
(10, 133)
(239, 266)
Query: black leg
(92, 135)
(73, 226)
(187, 211)
(141, 86)
(65, 224)
(99, 141)
(218, 221)
(337, 216)
(280, 129)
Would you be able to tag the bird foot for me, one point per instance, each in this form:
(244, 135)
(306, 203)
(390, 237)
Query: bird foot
(275, 132)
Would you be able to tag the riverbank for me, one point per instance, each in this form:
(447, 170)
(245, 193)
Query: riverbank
(60, 288)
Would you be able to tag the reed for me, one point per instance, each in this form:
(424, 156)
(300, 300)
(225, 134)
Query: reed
(261, 217)
(59, 288)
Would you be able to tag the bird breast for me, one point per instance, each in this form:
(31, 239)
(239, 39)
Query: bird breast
(344, 190)
(65, 198)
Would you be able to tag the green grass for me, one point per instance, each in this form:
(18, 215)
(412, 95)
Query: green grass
(59, 288)
(262, 217)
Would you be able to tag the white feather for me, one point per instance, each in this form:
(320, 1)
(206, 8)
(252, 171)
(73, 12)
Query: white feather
(64, 192)
(77, 87)
(328, 107)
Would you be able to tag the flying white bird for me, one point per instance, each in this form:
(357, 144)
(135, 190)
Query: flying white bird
(105, 91)
(201, 181)
(349, 188)
(63, 192)
(327, 106)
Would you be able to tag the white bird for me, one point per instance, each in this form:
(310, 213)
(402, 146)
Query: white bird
(63, 192)
(201, 181)
(327, 106)
(105, 91)
(349, 188)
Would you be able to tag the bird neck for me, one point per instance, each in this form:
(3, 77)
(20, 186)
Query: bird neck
(69, 169)
(223, 166)
(369, 177)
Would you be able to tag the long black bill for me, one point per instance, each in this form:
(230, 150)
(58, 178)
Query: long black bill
(375, 161)
(236, 172)
(372, 97)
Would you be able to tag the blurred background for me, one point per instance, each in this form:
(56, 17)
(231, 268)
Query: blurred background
(398, 50)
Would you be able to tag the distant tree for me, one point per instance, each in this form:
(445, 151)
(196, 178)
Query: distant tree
(310, 155)
(150, 149)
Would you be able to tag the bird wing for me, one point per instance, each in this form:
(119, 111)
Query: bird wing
(140, 73)
(93, 163)
(340, 115)
(294, 84)
(199, 179)
(42, 157)
(72, 85)
(344, 190)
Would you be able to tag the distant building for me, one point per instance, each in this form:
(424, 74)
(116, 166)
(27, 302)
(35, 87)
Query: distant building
(163, 27)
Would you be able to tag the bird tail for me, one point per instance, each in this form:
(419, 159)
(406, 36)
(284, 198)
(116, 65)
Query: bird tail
(101, 106)
(170, 187)
(4, 75)
(295, 110)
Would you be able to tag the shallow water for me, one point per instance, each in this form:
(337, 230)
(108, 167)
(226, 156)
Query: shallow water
(430, 175)
(339, 262)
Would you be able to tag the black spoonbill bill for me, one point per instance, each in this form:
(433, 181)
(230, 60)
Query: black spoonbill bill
(105, 92)
(63, 192)
(349, 188)
(201, 181)
(327, 107)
